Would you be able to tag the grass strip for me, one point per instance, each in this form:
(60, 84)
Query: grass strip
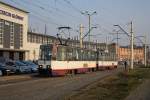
(115, 87)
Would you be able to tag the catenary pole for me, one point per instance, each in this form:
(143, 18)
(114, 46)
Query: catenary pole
(132, 48)
(81, 35)
(145, 52)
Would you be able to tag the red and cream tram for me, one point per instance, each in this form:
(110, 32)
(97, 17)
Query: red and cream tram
(59, 60)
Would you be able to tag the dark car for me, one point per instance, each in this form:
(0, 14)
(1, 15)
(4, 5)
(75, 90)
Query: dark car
(3, 70)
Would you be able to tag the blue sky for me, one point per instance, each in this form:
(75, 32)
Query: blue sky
(55, 13)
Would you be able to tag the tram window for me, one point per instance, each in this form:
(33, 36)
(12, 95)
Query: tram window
(108, 56)
(86, 55)
(75, 55)
(79, 56)
(61, 55)
(69, 54)
(92, 56)
(45, 52)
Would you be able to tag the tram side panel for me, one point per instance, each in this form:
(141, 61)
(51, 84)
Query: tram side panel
(107, 64)
(64, 67)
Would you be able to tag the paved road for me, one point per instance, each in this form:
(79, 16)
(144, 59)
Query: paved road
(50, 88)
(17, 78)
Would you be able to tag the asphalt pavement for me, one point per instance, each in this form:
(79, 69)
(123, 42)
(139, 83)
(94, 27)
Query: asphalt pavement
(55, 88)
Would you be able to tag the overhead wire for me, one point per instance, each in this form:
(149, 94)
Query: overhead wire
(37, 13)
(58, 11)
(71, 5)
(61, 3)
(43, 8)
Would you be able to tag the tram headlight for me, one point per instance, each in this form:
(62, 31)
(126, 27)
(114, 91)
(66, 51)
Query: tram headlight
(48, 66)
(40, 66)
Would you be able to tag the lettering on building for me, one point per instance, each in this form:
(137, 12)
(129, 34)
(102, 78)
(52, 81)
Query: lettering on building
(15, 16)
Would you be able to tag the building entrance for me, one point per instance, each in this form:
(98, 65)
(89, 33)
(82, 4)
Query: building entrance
(21, 55)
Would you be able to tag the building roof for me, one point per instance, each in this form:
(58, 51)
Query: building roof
(13, 7)
(135, 47)
(71, 40)
(39, 34)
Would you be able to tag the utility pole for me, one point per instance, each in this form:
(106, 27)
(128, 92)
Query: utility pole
(45, 32)
(117, 47)
(89, 18)
(89, 26)
(81, 35)
(132, 48)
(145, 51)
(131, 43)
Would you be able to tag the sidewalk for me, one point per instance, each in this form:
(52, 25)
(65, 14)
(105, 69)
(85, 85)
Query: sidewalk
(141, 93)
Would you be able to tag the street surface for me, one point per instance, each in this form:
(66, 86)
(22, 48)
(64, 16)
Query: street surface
(55, 88)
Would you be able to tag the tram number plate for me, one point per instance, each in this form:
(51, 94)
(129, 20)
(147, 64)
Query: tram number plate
(85, 65)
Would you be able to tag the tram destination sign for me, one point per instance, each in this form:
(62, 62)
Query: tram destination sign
(15, 16)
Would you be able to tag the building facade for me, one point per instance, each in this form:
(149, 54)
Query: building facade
(124, 53)
(13, 32)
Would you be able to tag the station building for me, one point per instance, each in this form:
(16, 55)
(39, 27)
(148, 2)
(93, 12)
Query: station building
(13, 32)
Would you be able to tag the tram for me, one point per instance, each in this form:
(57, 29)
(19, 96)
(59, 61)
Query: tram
(59, 60)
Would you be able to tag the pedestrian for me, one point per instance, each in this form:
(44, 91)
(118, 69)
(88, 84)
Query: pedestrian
(125, 65)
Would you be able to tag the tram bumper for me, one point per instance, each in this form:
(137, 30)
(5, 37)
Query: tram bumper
(45, 71)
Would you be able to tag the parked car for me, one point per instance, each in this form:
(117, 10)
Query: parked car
(3, 70)
(32, 66)
(21, 67)
(10, 65)
(16, 66)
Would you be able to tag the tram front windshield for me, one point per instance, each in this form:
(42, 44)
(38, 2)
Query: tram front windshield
(45, 52)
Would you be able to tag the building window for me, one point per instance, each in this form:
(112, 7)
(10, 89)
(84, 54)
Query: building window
(12, 34)
(31, 38)
(21, 35)
(28, 38)
(40, 38)
(1, 53)
(11, 55)
(1, 30)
